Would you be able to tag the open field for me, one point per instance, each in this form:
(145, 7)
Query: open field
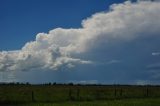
(77, 95)
(123, 102)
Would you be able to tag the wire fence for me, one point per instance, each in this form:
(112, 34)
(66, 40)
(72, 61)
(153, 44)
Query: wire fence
(74, 93)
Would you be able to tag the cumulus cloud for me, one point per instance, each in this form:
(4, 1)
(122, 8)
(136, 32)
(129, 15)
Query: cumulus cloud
(65, 47)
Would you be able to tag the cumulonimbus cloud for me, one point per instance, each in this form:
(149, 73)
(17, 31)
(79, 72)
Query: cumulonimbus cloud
(122, 23)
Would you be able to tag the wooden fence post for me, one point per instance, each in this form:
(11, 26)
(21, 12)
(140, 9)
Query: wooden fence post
(115, 93)
(33, 97)
(70, 94)
(121, 92)
(147, 92)
(78, 91)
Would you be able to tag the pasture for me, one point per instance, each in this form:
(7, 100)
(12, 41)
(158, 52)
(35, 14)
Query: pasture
(122, 102)
(88, 95)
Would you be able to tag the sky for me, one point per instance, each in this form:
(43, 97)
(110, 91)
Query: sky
(21, 20)
(80, 41)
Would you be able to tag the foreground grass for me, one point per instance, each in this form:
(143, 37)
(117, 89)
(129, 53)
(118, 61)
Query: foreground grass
(78, 95)
(123, 102)
(63, 93)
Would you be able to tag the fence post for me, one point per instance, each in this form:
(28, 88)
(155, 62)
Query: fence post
(33, 97)
(147, 91)
(121, 92)
(70, 94)
(78, 91)
(115, 93)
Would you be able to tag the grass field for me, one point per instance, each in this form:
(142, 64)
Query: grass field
(76, 95)
(123, 102)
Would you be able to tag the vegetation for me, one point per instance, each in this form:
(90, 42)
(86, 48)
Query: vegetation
(123, 102)
(89, 95)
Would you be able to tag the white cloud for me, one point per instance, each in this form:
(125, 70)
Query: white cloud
(114, 61)
(144, 0)
(156, 53)
(88, 82)
(142, 82)
(63, 47)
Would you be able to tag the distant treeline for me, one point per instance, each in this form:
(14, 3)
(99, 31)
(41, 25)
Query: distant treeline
(71, 84)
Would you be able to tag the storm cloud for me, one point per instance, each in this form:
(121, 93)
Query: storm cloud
(126, 34)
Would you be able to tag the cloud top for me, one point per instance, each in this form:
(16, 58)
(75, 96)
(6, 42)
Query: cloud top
(65, 47)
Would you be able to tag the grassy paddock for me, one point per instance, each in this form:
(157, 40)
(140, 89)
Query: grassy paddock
(123, 102)
(68, 94)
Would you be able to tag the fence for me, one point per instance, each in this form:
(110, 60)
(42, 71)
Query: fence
(75, 93)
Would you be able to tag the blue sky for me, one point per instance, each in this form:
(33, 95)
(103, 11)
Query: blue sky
(81, 41)
(21, 20)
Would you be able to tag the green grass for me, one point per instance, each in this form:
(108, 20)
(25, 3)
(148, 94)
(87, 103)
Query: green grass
(123, 102)
(68, 95)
